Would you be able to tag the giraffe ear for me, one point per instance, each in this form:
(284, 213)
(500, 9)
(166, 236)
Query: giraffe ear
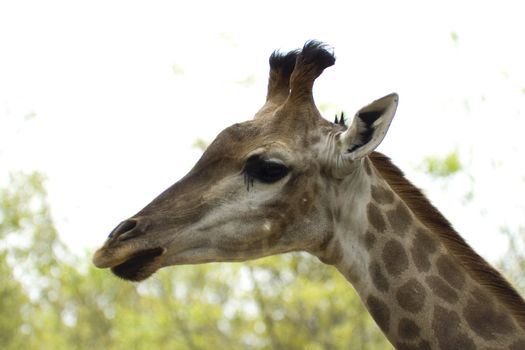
(369, 127)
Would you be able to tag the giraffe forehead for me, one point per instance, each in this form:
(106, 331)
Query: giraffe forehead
(263, 136)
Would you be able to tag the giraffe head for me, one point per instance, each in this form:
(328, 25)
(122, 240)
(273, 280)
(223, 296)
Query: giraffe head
(262, 187)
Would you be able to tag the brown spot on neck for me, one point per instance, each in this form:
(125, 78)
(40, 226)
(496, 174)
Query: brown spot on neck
(395, 258)
(411, 296)
(442, 289)
(450, 272)
(380, 312)
(408, 329)
(400, 219)
(375, 217)
(423, 247)
(484, 319)
(378, 278)
(381, 195)
(446, 325)
(368, 239)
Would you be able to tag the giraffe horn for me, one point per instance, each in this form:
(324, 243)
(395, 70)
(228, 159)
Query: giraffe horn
(292, 75)
(310, 63)
(281, 68)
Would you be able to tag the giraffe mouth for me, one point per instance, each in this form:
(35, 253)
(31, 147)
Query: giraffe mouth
(140, 265)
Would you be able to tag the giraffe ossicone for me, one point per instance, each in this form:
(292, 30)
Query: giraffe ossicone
(289, 180)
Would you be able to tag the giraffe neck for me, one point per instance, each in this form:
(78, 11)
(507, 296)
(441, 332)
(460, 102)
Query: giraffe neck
(420, 293)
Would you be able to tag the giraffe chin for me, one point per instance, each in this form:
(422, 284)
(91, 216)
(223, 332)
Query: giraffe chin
(141, 265)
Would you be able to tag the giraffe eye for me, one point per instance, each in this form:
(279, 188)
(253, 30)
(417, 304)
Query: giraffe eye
(265, 170)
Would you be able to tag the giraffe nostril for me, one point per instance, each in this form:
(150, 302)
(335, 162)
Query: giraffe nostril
(126, 229)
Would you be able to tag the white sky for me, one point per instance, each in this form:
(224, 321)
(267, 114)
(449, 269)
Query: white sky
(107, 97)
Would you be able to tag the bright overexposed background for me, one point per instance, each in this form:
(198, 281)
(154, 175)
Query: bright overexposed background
(106, 98)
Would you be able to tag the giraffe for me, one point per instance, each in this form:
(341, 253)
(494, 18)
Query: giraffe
(289, 180)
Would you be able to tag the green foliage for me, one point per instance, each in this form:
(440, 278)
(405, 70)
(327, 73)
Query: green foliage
(177, 69)
(51, 299)
(12, 298)
(442, 166)
(247, 81)
(328, 109)
(200, 144)
(455, 37)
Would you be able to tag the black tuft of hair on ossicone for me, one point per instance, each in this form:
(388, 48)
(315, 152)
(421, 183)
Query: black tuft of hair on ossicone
(283, 62)
(318, 52)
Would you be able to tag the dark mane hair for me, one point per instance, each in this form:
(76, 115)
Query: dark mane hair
(478, 268)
